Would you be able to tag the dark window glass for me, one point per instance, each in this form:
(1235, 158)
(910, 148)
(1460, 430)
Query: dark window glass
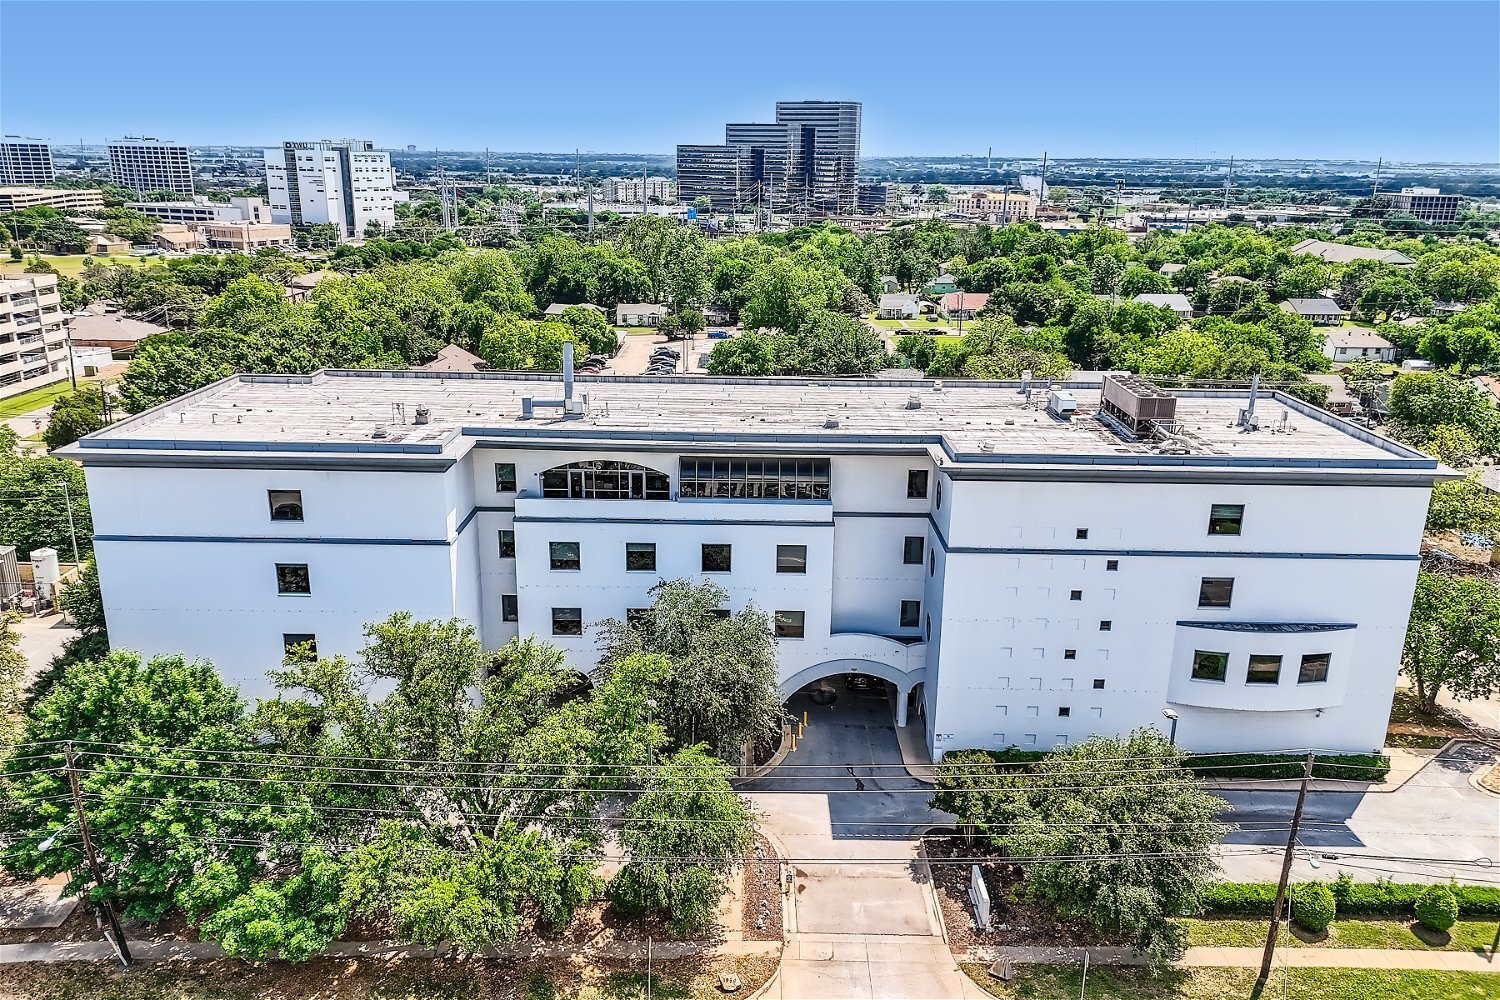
(754, 478)
(286, 505)
(507, 543)
(1064, 712)
(720, 613)
(299, 645)
(1075, 595)
(567, 621)
(1264, 670)
(1111, 565)
(927, 627)
(790, 624)
(1209, 666)
(1098, 683)
(939, 494)
(716, 558)
(637, 618)
(1314, 668)
(1081, 533)
(505, 477)
(293, 578)
(1215, 592)
(932, 564)
(911, 614)
(565, 555)
(911, 551)
(640, 555)
(1105, 626)
(916, 484)
(1225, 518)
(508, 610)
(1070, 654)
(791, 558)
(605, 480)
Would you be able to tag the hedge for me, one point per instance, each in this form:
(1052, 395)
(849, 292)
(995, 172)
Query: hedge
(1350, 767)
(1257, 898)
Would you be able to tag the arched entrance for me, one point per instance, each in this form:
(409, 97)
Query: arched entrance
(901, 681)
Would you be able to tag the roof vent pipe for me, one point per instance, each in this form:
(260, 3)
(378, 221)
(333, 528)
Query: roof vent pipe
(423, 415)
(1026, 384)
(567, 370)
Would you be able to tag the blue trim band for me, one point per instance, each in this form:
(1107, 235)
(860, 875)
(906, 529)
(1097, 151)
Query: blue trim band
(520, 519)
(212, 539)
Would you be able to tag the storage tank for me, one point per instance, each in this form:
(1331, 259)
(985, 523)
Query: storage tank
(45, 573)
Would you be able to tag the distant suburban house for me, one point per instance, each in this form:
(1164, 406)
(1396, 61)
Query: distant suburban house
(1343, 253)
(1175, 301)
(1339, 400)
(1320, 311)
(300, 286)
(558, 308)
(888, 283)
(1170, 269)
(899, 306)
(455, 359)
(103, 245)
(639, 314)
(963, 305)
(941, 285)
(1350, 343)
(111, 330)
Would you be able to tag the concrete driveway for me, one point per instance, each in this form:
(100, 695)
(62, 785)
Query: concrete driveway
(41, 640)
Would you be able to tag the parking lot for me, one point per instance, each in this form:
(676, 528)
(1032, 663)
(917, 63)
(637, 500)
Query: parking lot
(635, 354)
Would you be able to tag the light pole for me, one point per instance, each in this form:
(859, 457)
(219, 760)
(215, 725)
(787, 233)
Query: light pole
(1172, 716)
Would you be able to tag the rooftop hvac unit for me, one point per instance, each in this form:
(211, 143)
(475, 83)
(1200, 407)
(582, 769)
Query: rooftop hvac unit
(1061, 404)
(1136, 402)
(423, 415)
(10, 578)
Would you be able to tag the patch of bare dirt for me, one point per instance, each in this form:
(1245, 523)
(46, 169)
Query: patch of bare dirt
(761, 917)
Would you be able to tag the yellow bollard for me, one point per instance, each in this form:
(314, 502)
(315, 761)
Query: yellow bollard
(804, 717)
(794, 741)
(799, 729)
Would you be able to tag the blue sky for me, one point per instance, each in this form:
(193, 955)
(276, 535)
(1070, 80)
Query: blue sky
(1352, 79)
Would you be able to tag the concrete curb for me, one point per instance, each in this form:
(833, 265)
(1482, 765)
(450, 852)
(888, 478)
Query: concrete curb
(1247, 958)
(776, 758)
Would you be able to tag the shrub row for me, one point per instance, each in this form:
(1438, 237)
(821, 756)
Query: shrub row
(1350, 767)
(1257, 898)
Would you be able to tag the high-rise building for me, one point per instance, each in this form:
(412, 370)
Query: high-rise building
(26, 161)
(829, 165)
(722, 174)
(348, 184)
(1427, 204)
(144, 164)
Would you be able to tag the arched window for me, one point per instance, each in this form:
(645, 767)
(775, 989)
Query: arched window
(601, 480)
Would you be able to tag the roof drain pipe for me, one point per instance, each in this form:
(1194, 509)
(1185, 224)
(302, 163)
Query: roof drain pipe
(1247, 413)
(571, 407)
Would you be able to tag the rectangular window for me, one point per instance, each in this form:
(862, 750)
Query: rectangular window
(565, 555)
(1098, 683)
(567, 621)
(286, 505)
(911, 614)
(1215, 591)
(754, 478)
(790, 624)
(1070, 654)
(508, 610)
(293, 578)
(1225, 518)
(507, 543)
(1111, 565)
(1264, 670)
(505, 477)
(1064, 712)
(916, 484)
(716, 557)
(1210, 666)
(1314, 668)
(299, 645)
(1081, 533)
(1105, 626)
(911, 550)
(1075, 595)
(640, 556)
(791, 558)
(636, 618)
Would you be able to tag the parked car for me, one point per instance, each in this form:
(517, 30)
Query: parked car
(718, 335)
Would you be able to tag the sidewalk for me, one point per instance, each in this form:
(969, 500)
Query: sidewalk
(1250, 958)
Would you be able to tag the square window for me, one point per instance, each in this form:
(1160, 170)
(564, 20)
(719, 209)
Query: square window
(791, 558)
(565, 555)
(1209, 666)
(1064, 712)
(1098, 683)
(293, 578)
(640, 556)
(507, 543)
(567, 621)
(916, 484)
(1081, 533)
(299, 645)
(1111, 565)
(1226, 518)
(505, 477)
(1215, 591)
(508, 610)
(1075, 595)
(1105, 626)
(911, 614)
(716, 557)
(286, 505)
(790, 624)
(1070, 654)
(1314, 668)
(911, 550)
(1264, 669)
(637, 618)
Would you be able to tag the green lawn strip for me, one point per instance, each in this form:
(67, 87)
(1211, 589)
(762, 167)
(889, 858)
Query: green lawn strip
(35, 399)
(1064, 982)
(1466, 935)
(72, 265)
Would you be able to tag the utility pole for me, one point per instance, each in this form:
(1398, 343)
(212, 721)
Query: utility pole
(1286, 872)
(1375, 188)
(591, 207)
(68, 502)
(1042, 194)
(93, 859)
(1228, 180)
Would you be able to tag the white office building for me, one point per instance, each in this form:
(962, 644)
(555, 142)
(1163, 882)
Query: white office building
(33, 333)
(1022, 567)
(145, 165)
(26, 161)
(199, 211)
(348, 184)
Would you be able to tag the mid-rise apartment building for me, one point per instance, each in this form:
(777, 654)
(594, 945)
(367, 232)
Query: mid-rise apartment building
(1023, 566)
(631, 190)
(26, 161)
(200, 211)
(1427, 204)
(145, 164)
(33, 334)
(994, 206)
(348, 184)
(13, 199)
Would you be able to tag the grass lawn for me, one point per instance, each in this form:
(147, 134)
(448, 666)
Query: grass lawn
(1064, 982)
(71, 265)
(14, 406)
(377, 979)
(1406, 716)
(1467, 935)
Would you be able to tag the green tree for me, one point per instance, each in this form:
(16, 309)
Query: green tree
(129, 225)
(12, 677)
(1464, 505)
(834, 344)
(78, 413)
(1420, 402)
(34, 508)
(1453, 638)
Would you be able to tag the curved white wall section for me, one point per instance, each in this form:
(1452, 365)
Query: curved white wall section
(1241, 640)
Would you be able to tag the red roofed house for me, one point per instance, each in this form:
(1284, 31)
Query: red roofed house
(963, 305)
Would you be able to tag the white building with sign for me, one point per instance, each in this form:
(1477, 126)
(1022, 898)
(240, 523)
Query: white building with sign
(1024, 567)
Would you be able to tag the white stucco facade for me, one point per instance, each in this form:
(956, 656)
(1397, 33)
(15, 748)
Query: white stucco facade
(984, 601)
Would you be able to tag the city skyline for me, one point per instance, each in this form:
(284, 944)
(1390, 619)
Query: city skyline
(1106, 79)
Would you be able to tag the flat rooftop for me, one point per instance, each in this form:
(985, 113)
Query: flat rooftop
(375, 411)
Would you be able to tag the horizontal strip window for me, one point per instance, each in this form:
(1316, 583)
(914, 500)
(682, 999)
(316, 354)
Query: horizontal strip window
(754, 478)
